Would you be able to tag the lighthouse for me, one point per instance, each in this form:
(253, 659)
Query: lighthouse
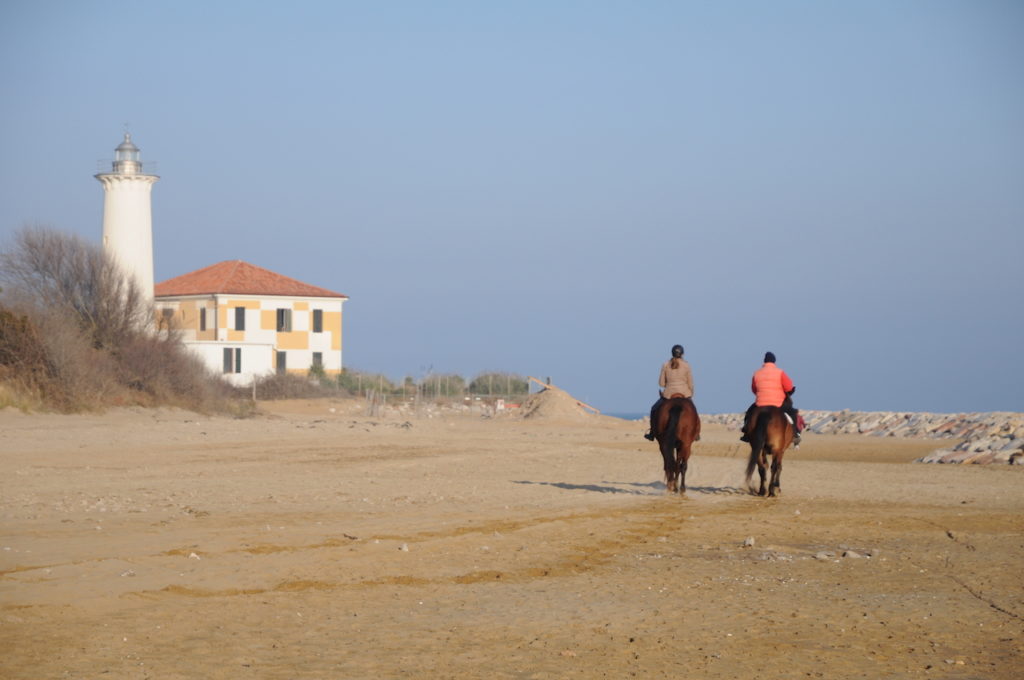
(128, 215)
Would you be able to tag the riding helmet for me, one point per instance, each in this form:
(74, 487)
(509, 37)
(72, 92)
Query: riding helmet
(769, 358)
(677, 351)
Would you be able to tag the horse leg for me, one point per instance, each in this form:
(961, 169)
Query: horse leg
(776, 488)
(756, 460)
(684, 462)
(762, 461)
(670, 469)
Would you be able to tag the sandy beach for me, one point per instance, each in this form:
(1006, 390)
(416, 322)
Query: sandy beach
(313, 541)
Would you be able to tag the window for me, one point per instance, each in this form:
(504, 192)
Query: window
(232, 359)
(166, 321)
(202, 319)
(318, 321)
(318, 359)
(282, 362)
(239, 318)
(284, 320)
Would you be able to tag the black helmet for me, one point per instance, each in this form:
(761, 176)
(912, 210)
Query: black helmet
(769, 358)
(677, 351)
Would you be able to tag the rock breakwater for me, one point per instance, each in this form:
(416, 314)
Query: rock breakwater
(978, 438)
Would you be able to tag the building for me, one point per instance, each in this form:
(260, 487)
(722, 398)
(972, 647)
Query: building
(246, 321)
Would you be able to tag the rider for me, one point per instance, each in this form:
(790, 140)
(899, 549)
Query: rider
(675, 378)
(772, 387)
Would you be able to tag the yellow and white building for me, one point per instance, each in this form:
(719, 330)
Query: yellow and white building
(246, 321)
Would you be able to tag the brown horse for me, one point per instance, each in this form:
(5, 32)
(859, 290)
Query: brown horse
(678, 426)
(771, 433)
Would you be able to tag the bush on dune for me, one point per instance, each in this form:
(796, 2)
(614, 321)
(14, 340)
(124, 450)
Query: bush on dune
(290, 386)
(77, 334)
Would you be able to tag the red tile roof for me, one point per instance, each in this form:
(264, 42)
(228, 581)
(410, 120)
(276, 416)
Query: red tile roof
(240, 278)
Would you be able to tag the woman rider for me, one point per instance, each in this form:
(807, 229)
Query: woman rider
(675, 378)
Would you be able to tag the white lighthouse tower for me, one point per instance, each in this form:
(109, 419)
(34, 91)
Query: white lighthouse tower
(128, 215)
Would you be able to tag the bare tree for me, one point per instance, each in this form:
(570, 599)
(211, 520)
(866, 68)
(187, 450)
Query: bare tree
(63, 273)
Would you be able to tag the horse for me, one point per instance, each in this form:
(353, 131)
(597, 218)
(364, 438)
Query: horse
(771, 433)
(678, 426)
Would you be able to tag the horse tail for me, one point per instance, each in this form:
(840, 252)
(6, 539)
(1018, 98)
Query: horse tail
(757, 441)
(671, 430)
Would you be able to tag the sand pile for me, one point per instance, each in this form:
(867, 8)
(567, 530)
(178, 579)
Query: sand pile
(553, 402)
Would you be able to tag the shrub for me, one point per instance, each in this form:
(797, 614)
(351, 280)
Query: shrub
(160, 367)
(65, 274)
(446, 385)
(76, 333)
(360, 382)
(288, 386)
(21, 350)
(499, 384)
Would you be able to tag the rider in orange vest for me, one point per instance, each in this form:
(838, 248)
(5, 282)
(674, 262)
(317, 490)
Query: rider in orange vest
(772, 387)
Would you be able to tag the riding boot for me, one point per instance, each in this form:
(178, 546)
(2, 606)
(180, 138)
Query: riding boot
(795, 417)
(650, 435)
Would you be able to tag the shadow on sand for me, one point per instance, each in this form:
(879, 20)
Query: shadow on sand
(586, 487)
(639, 488)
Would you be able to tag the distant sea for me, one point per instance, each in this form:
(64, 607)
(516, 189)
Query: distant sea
(627, 416)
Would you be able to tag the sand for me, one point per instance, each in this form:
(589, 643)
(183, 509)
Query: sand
(315, 542)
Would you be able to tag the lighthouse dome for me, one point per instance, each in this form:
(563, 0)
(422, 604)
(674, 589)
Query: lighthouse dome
(127, 145)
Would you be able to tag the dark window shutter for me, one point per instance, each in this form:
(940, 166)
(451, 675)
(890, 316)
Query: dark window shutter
(284, 320)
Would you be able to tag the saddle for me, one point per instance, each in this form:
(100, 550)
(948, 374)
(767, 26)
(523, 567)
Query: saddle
(761, 410)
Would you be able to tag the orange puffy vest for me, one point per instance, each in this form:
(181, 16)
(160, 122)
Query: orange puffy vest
(770, 383)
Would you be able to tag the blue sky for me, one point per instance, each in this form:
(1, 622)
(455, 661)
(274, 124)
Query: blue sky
(567, 189)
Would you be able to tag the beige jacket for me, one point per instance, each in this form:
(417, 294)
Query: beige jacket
(676, 380)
